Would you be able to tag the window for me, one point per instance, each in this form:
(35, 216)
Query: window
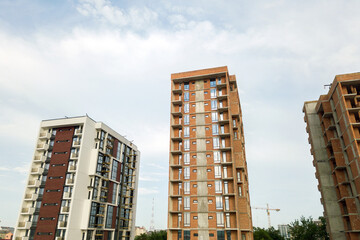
(216, 143)
(216, 157)
(179, 203)
(234, 123)
(193, 117)
(186, 187)
(213, 104)
(194, 142)
(218, 186)
(109, 216)
(186, 131)
(195, 218)
(219, 80)
(219, 203)
(215, 129)
(214, 117)
(186, 223)
(238, 176)
(193, 94)
(219, 219)
(186, 96)
(186, 107)
(210, 217)
(210, 201)
(225, 172)
(227, 204)
(224, 156)
(114, 170)
(186, 172)
(186, 158)
(194, 170)
(186, 119)
(179, 234)
(228, 233)
(213, 93)
(235, 135)
(186, 203)
(194, 185)
(243, 236)
(186, 144)
(186, 86)
(226, 187)
(222, 128)
(179, 220)
(212, 83)
(228, 222)
(220, 235)
(217, 171)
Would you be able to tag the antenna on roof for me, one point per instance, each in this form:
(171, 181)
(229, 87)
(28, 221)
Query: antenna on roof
(328, 85)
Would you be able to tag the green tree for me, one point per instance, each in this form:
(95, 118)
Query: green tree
(307, 229)
(267, 234)
(156, 235)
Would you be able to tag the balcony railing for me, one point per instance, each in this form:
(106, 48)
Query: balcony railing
(45, 135)
(34, 183)
(78, 131)
(62, 224)
(72, 168)
(31, 196)
(37, 171)
(76, 143)
(74, 155)
(69, 181)
(42, 147)
(27, 211)
(67, 194)
(65, 209)
(24, 225)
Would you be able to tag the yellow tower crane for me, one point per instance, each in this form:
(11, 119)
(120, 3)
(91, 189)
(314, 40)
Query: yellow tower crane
(268, 212)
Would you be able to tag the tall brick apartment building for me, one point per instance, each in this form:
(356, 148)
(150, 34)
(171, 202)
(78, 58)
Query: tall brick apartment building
(208, 187)
(333, 125)
(82, 184)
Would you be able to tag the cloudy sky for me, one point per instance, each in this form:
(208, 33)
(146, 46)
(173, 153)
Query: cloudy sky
(113, 60)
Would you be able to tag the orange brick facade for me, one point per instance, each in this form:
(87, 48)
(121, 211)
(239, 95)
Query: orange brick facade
(333, 124)
(208, 187)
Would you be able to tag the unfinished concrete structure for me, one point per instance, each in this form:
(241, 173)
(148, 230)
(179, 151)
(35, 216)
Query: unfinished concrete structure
(333, 124)
(208, 187)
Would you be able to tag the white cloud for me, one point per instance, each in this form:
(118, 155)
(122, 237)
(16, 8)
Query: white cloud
(147, 191)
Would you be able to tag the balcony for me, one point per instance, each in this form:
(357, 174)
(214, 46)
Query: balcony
(31, 197)
(62, 224)
(224, 134)
(24, 225)
(76, 144)
(177, 91)
(45, 135)
(223, 121)
(22, 238)
(176, 152)
(39, 158)
(78, 131)
(177, 101)
(176, 165)
(74, 155)
(175, 180)
(221, 85)
(27, 211)
(72, 168)
(226, 163)
(223, 109)
(176, 113)
(64, 209)
(69, 181)
(42, 147)
(37, 171)
(34, 183)
(67, 195)
(176, 138)
(59, 238)
(176, 125)
(222, 97)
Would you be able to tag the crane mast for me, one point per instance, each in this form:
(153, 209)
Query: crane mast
(267, 209)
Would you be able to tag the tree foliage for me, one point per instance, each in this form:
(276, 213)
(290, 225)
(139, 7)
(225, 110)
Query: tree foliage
(307, 229)
(267, 234)
(156, 235)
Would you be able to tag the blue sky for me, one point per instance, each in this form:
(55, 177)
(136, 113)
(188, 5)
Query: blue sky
(71, 57)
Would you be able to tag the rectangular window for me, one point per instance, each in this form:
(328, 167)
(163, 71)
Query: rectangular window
(186, 223)
(213, 104)
(217, 171)
(114, 170)
(240, 191)
(213, 93)
(186, 131)
(186, 144)
(219, 203)
(224, 156)
(212, 83)
(220, 235)
(186, 107)
(186, 86)
(227, 204)
(215, 129)
(186, 119)
(228, 233)
(109, 216)
(216, 157)
(216, 143)
(226, 187)
(218, 187)
(220, 219)
(186, 172)
(225, 172)
(186, 158)
(228, 220)
(214, 117)
(186, 187)
(186, 96)
(238, 176)
(186, 203)
(114, 193)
